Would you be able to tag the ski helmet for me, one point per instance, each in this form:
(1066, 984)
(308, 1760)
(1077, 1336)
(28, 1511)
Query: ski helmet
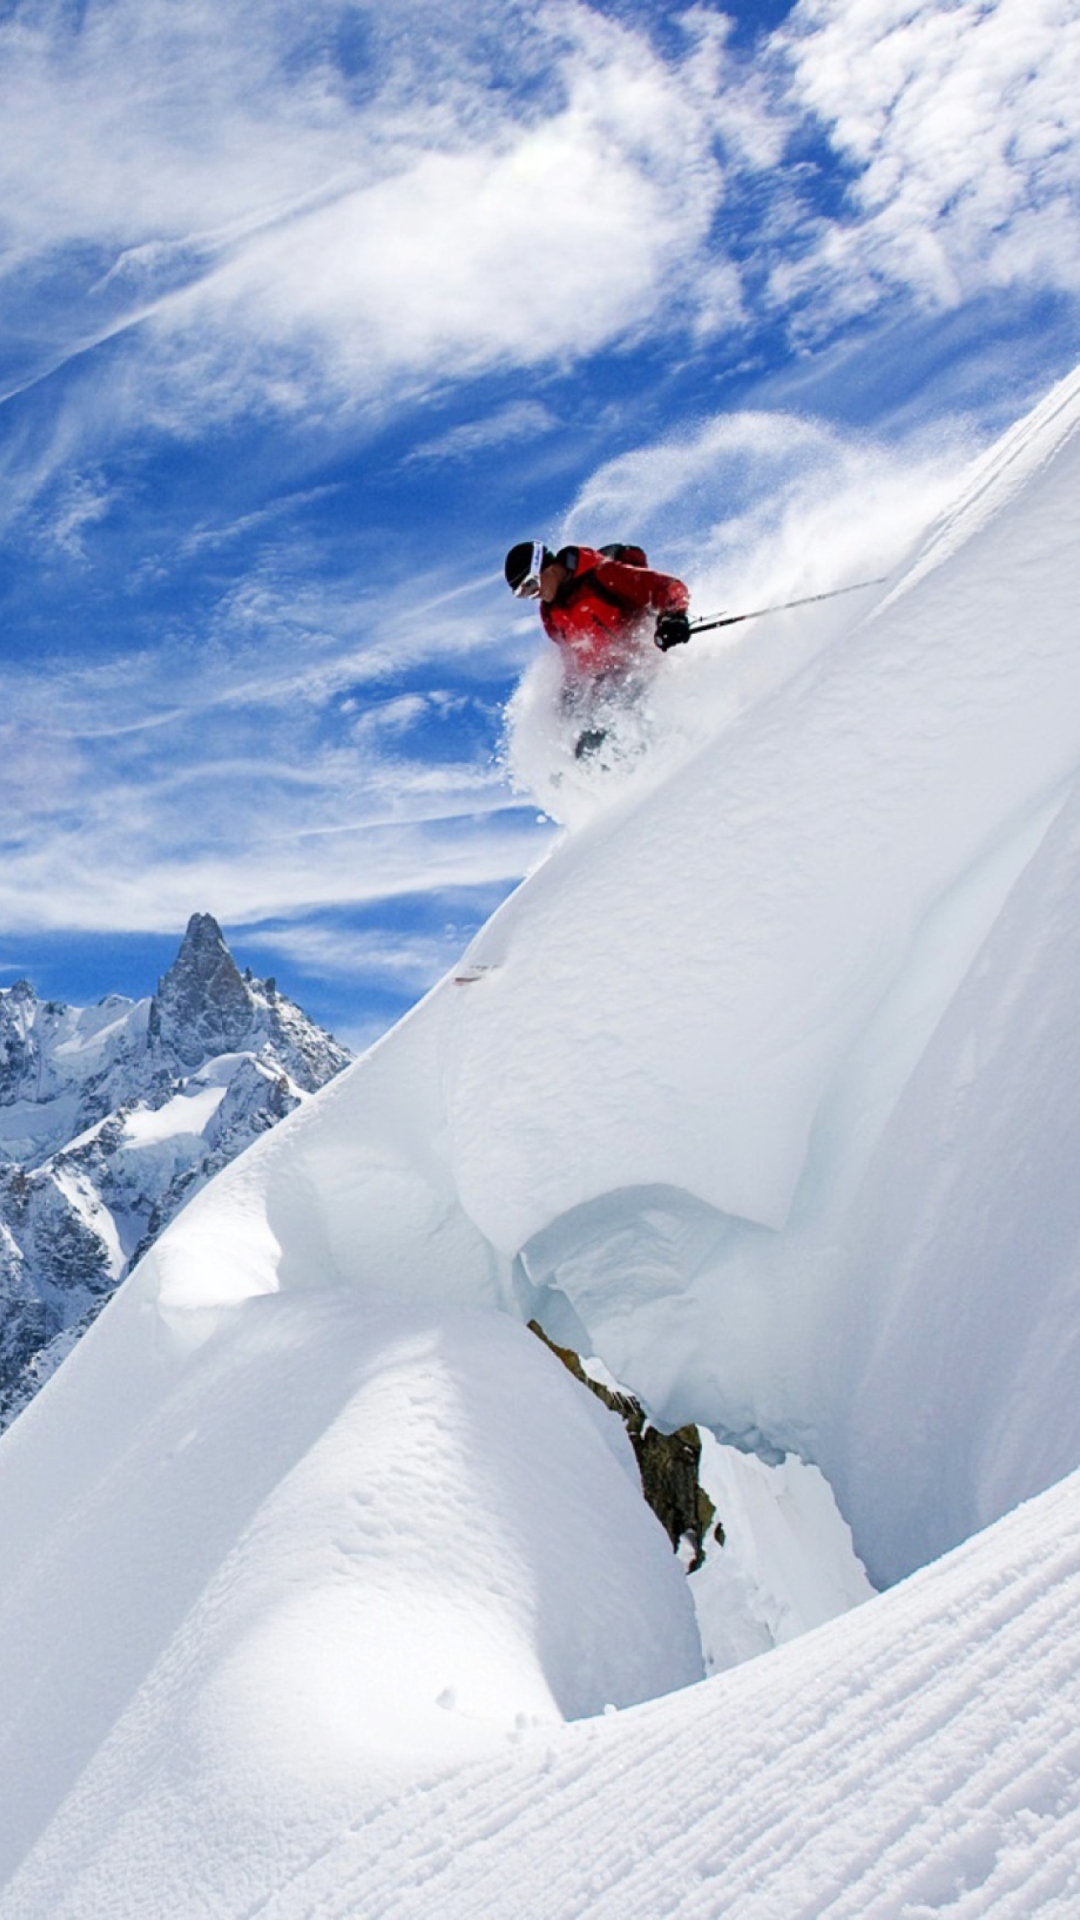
(524, 565)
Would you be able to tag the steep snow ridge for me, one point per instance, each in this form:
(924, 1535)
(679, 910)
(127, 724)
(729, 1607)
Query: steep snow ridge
(708, 959)
(769, 1093)
(650, 1121)
(964, 1240)
(1002, 473)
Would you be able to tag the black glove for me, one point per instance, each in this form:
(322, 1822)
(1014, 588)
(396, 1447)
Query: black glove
(672, 630)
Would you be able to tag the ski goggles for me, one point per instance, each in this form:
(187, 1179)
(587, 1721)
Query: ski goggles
(529, 587)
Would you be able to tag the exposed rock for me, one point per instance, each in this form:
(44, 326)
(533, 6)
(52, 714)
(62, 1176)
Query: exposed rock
(667, 1462)
(18, 1054)
(202, 1006)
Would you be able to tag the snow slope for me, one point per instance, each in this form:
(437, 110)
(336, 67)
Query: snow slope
(763, 1090)
(920, 1757)
(700, 1116)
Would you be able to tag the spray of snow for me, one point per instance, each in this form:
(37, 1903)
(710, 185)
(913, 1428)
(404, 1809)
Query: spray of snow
(756, 510)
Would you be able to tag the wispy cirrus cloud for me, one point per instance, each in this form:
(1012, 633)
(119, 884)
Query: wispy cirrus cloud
(137, 830)
(271, 232)
(296, 211)
(513, 249)
(413, 958)
(960, 124)
(266, 765)
(336, 199)
(521, 420)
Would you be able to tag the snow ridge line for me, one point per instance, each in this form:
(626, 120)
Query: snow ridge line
(997, 477)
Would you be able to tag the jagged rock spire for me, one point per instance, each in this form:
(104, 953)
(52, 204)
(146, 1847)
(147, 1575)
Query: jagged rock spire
(202, 1006)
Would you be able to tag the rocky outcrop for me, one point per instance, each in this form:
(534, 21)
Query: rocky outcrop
(202, 1007)
(667, 1462)
(18, 1052)
(112, 1116)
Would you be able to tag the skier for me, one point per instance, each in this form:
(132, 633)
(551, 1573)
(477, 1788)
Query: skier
(600, 606)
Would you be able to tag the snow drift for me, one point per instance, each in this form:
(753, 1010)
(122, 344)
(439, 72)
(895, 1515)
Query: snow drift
(339, 1544)
(763, 1090)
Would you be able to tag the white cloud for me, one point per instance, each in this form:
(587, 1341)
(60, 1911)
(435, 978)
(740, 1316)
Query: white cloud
(521, 420)
(273, 240)
(133, 790)
(154, 128)
(39, 773)
(550, 236)
(388, 717)
(215, 535)
(962, 124)
(272, 233)
(129, 862)
(83, 499)
(412, 961)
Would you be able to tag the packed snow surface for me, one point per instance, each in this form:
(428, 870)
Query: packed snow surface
(917, 1758)
(185, 1113)
(765, 1091)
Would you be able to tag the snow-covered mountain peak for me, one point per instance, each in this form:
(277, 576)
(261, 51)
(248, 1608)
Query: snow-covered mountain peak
(62, 1069)
(112, 1116)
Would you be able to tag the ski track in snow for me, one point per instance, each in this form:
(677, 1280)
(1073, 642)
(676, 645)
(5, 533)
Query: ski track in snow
(921, 1756)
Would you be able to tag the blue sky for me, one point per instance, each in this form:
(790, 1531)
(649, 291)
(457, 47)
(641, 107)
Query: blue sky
(310, 310)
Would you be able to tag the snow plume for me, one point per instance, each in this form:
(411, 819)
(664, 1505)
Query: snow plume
(759, 506)
(753, 510)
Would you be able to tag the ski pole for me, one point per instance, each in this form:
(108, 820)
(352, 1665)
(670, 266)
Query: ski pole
(758, 613)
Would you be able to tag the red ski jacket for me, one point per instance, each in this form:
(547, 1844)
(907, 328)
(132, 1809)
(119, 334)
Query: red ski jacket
(601, 611)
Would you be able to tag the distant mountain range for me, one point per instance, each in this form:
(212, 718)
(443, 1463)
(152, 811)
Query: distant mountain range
(112, 1116)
